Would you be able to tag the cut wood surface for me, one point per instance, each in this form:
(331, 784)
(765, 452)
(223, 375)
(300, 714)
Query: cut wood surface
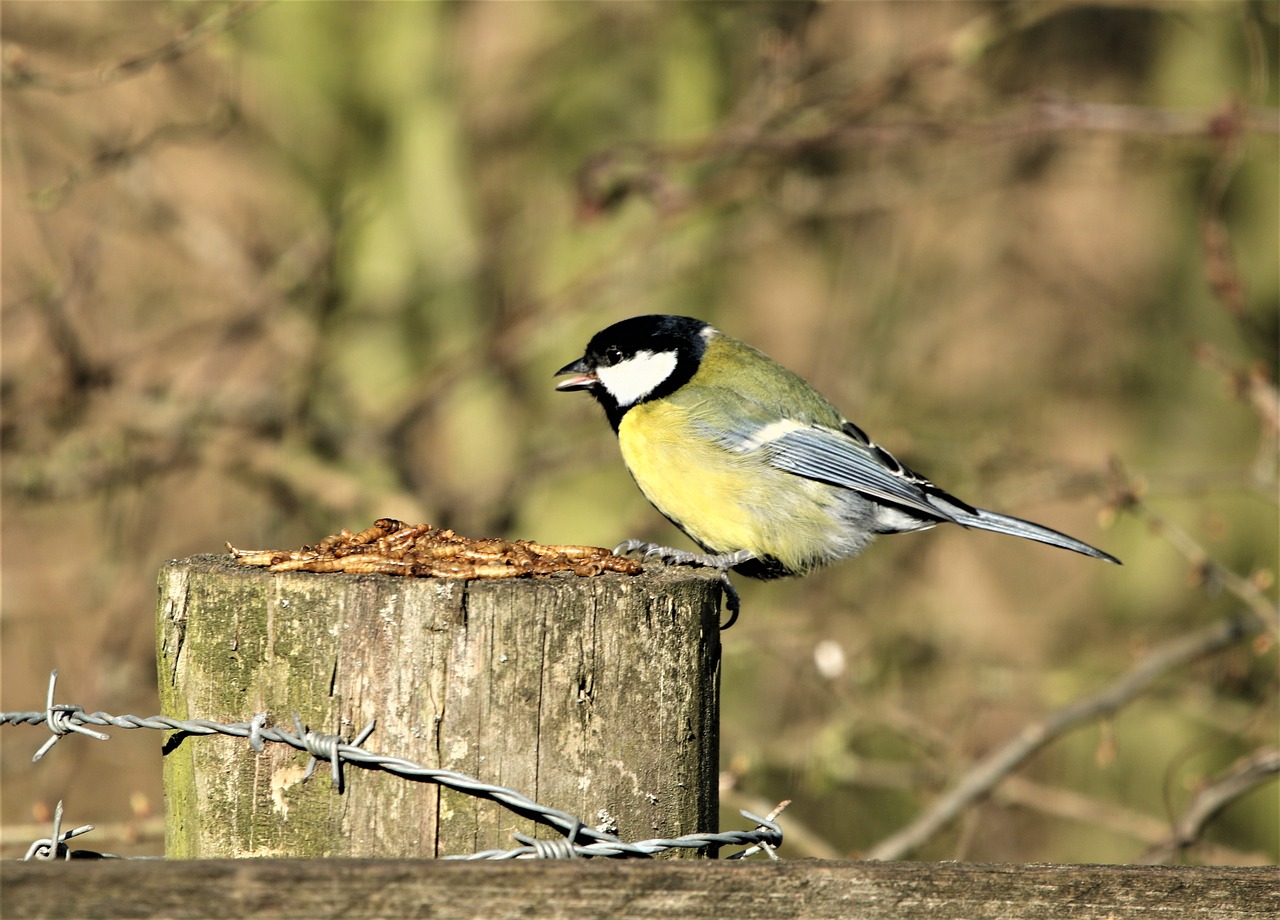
(597, 696)
(352, 889)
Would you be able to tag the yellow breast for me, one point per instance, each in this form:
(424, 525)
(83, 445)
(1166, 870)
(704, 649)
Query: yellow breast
(691, 483)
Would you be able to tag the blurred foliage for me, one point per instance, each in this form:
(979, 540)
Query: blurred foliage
(275, 269)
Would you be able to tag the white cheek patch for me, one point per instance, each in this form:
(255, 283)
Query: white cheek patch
(632, 380)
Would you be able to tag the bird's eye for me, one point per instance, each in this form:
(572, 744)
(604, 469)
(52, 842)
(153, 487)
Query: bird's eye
(612, 355)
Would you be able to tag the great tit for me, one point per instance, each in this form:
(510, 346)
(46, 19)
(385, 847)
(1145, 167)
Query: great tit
(750, 461)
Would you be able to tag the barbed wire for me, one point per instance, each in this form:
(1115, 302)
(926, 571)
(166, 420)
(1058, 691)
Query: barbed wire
(55, 845)
(580, 840)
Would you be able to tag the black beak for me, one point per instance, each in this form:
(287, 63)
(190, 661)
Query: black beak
(585, 380)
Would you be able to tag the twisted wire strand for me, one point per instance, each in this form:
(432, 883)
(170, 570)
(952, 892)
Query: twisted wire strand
(579, 839)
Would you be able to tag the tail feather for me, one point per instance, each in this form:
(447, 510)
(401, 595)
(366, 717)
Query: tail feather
(982, 519)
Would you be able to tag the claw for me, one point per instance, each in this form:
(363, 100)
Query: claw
(732, 602)
(630, 546)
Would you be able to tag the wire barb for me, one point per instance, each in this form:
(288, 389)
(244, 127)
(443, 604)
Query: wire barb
(769, 823)
(61, 719)
(324, 747)
(559, 848)
(54, 846)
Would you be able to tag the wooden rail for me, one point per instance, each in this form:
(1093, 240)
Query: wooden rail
(354, 889)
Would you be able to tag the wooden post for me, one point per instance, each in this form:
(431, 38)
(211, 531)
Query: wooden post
(597, 696)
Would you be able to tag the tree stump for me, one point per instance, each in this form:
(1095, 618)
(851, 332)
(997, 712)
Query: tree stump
(597, 696)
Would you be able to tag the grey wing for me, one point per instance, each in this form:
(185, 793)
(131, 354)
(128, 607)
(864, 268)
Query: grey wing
(847, 458)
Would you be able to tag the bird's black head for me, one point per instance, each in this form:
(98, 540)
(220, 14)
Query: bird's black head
(638, 359)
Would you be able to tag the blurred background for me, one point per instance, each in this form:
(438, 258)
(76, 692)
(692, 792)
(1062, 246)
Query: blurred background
(274, 269)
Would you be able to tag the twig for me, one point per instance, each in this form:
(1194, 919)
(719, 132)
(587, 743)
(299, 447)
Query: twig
(15, 76)
(613, 174)
(1046, 116)
(81, 371)
(1128, 496)
(1241, 778)
(802, 840)
(221, 118)
(1221, 268)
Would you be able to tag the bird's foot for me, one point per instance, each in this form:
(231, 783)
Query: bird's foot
(672, 556)
(721, 561)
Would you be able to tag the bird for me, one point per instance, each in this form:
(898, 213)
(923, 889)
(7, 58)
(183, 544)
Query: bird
(756, 467)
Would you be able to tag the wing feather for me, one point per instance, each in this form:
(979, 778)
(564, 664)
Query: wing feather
(840, 458)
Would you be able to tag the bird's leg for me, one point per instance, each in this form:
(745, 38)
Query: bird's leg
(721, 561)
